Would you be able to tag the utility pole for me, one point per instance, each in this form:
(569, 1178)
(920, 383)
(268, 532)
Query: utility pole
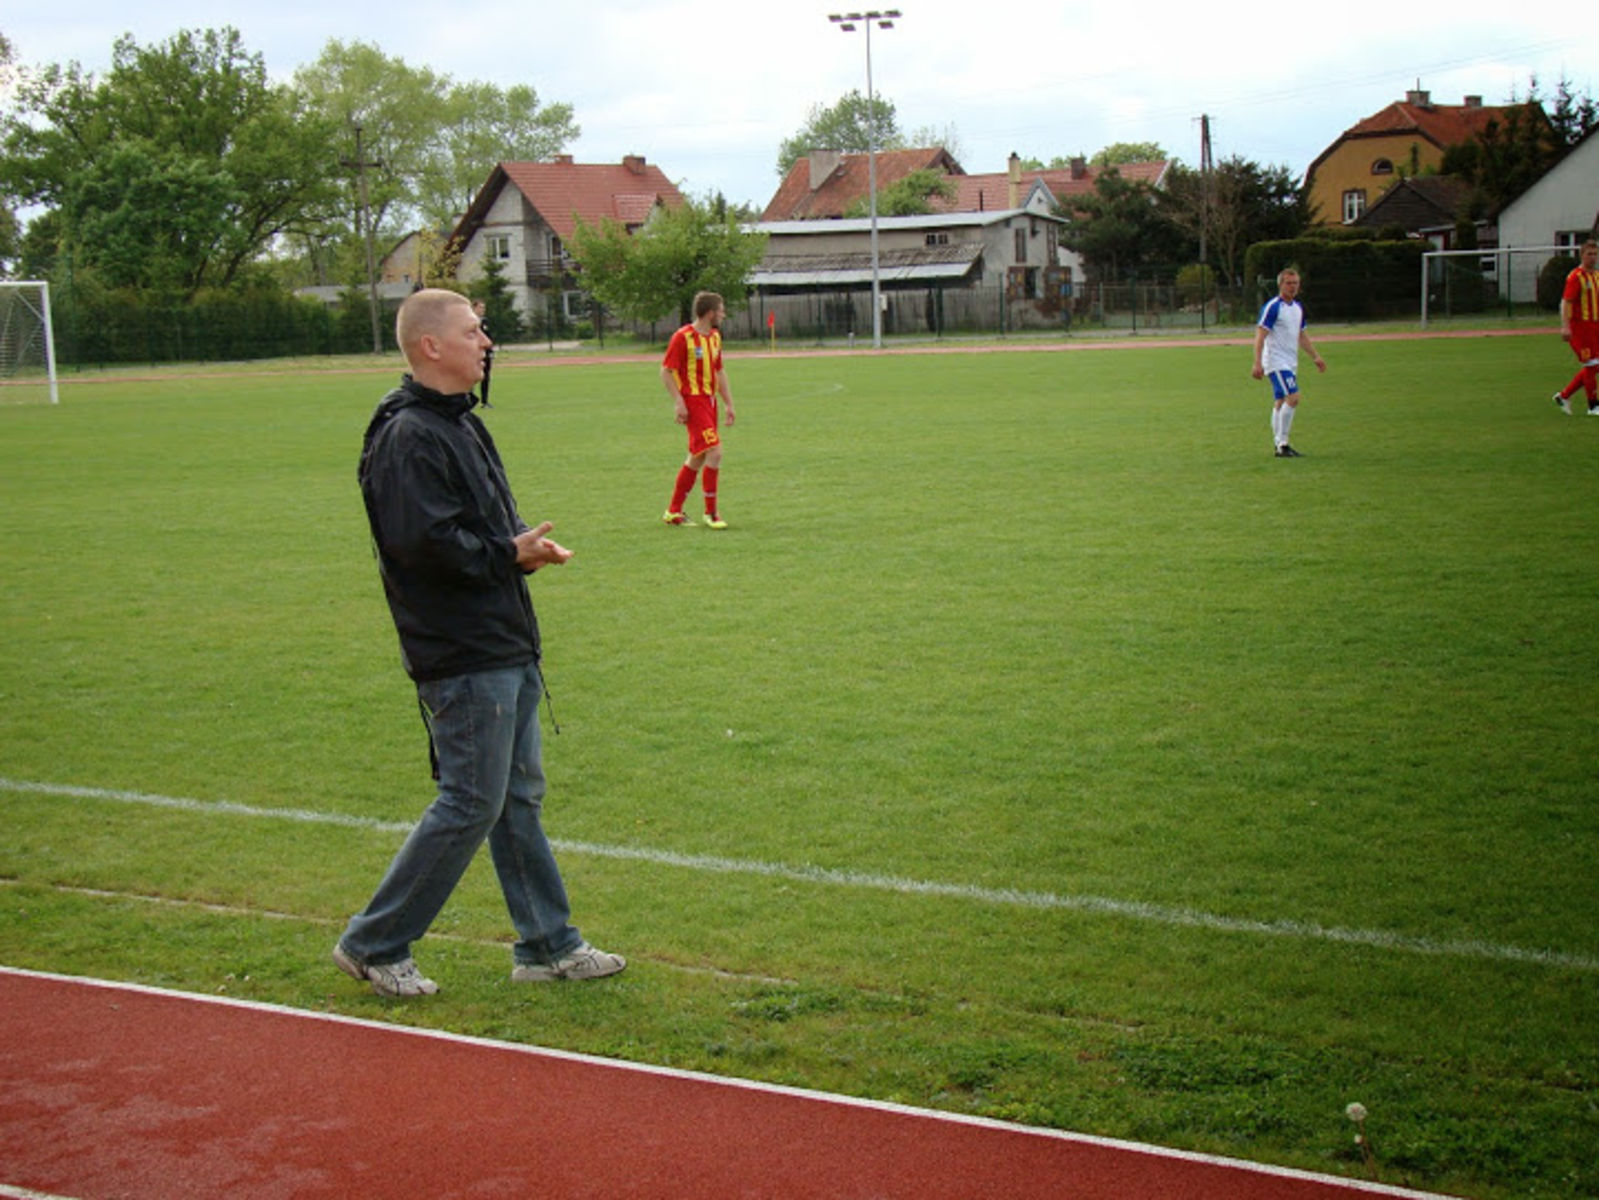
(1204, 208)
(364, 228)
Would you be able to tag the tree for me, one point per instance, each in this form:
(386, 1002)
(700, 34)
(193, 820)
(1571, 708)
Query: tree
(852, 126)
(1506, 157)
(10, 240)
(1116, 154)
(1574, 117)
(398, 109)
(1120, 227)
(1119, 153)
(1247, 203)
(499, 307)
(948, 139)
(908, 196)
(656, 271)
(435, 140)
(483, 125)
(1509, 156)
(175, 170)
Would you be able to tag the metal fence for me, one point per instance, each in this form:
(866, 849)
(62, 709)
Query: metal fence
(831, 316)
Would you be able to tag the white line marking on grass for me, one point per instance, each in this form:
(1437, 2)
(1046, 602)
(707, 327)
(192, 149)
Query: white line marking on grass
(1158, 914)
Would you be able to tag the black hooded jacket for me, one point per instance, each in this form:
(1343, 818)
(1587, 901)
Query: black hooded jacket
(443, 520)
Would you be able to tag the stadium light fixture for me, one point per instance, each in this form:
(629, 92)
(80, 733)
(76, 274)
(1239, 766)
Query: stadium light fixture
(848, 23)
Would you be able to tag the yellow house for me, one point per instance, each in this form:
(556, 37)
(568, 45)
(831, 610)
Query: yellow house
(1403, 139)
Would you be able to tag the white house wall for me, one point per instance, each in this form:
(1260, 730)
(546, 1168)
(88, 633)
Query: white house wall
(1566, 200)
(512, 217)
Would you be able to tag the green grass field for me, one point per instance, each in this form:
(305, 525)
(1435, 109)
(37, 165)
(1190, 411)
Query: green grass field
(1034, 744)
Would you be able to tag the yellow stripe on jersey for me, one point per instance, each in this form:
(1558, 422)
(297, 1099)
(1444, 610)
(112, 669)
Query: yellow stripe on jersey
(700, 368)
(1586, 307)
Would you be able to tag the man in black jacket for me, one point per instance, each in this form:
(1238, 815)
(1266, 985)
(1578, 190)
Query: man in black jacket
(453, 553)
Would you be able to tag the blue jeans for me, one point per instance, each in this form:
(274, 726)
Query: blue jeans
(491, 784)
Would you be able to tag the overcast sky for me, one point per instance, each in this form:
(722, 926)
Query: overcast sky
(708, 91)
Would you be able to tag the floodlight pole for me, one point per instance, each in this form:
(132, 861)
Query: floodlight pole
(847, 22)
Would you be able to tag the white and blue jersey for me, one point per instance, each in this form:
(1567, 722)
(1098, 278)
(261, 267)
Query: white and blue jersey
(1283, 321)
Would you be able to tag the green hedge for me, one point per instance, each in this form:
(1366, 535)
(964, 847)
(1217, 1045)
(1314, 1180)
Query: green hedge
(95, 326)
(1344, 278)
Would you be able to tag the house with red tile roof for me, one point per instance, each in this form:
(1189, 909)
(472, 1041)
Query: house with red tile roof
(1403, 139)
(825, 183)
(524, 215)
(979, 193)
(810, 247)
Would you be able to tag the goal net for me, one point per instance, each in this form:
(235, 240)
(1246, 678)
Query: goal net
(27, 343)
(1454, 281)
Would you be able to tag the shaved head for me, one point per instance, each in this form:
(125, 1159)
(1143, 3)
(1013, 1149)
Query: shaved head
(424, 312)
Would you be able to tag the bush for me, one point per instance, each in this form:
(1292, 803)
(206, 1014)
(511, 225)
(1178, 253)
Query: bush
(1344, 276)
(1196, 284)
(95, 324)
(1552, 280)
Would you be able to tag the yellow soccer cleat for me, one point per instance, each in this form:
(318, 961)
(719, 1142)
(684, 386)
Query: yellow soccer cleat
(712, 521)
(673, 518)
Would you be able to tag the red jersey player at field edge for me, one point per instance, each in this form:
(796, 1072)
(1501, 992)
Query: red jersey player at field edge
(1579, 327)
(693, 376)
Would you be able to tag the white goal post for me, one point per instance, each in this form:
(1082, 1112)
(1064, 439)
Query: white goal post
(27, 340)
(1503, 258)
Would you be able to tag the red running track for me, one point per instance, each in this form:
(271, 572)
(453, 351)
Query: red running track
(114, 1090)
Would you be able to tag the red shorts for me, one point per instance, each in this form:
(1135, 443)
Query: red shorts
(702, 419)
(1585, 340)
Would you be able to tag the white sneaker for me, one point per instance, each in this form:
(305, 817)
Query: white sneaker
(389, 979)
(1563, 403)
(581, 962)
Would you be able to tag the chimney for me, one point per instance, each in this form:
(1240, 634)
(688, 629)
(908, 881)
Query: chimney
(1015, 165)
(1418, 97)
(1079, 168)
(563, 160)
(1473, 101)
(823, 164)
(634, 163)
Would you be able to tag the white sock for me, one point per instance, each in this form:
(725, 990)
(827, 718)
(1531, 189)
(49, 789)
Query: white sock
(1277, 424)
(1287, 422)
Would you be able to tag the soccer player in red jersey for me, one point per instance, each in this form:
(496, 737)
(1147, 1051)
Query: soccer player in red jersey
(693, 375)
(1579, 327)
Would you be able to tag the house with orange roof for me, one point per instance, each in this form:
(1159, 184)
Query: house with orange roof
(1000, 255)
(1017, 186)
(993, 243)
(825, 183)
(525, 214)
(1403, 139)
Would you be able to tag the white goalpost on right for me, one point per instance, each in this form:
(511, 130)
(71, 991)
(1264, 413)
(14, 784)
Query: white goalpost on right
(1503, 272)
(27, 339)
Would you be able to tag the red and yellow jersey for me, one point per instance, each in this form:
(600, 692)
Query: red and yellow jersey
(1582, 293)
(695, 358)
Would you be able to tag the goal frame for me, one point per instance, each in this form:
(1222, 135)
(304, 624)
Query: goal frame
(1504, 252)
(43, 287)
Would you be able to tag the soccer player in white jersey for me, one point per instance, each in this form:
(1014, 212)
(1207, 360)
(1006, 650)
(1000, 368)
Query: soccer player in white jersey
(1279, 334)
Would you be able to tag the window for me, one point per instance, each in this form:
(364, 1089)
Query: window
(938, 239)
(498, 246)
(1354, 204)
(1021, 245)
(555, 247)
(1382, 166)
